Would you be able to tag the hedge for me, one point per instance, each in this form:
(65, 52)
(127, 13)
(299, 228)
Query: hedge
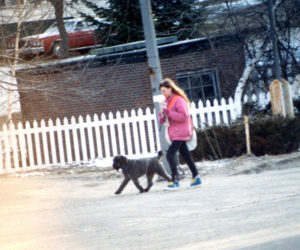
(270, 136)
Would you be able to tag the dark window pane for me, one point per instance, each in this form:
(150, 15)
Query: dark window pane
(207, 79)
(209, 92)
(197, 94)
(195, 82)
(189, 95)
(183, 83)
(2, 2)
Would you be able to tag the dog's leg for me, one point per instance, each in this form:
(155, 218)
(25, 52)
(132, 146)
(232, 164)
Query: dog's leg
(162, 173)
(149, 179)
(123, 185)
(137, 184)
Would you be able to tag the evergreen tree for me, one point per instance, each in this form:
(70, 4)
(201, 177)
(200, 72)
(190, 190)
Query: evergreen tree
(175, 17)
(121, 21)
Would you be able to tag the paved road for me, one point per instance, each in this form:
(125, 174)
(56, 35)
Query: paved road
(79, 211)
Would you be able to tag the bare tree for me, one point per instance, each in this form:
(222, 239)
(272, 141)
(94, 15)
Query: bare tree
(63, 46)
(22, 15)
(249, 21)
(9, 76)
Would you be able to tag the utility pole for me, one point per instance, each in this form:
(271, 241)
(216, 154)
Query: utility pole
(273, 34)
(154, 69)
(151, 46)
(281, 96)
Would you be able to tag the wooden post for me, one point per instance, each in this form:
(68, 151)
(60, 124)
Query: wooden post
(277, 101)
(247, 132)
(281, 99)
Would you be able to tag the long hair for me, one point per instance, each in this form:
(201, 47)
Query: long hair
(168, 83)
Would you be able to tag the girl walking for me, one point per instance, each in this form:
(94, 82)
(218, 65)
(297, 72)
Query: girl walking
(179, 130)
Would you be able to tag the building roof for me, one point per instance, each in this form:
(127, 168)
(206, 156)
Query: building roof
(131, 52)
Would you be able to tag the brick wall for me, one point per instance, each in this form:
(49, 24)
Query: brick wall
(111, 83)
(228, 60)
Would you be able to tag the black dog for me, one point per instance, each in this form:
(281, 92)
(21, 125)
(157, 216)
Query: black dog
(134, 169)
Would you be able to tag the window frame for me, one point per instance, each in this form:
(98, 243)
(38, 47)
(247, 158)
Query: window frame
(199, 73)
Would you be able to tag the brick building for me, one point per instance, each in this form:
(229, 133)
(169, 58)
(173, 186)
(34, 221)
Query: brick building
(206, 69)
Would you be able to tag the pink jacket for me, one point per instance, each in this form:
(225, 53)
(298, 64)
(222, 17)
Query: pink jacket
(179, 119)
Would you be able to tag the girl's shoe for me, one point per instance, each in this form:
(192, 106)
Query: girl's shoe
(173, 185)
(196, 181)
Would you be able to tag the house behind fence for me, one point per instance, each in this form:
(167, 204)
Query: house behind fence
(112, 80)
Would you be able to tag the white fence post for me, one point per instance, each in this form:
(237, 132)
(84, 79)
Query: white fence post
(45, 143)
(209, 113)
(7, 149)
(113, 134)
(201, 114)
(143, 138)
(135, 132)
(15, 151)
(105, 136)
(59, 129)
(30, 146)
(193, 113)
(98, 138)
(224, 111)
(37, 145)
(234, 112)
(89, 125)
(52, 142)
(75, 140)
(149, 123)
(120, 133)
(216, 109)
(68, 141)
(23, 146)
(82, 139)
(128, 133)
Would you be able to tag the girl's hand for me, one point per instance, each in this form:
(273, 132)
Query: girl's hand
(162, 118)
(166, 112)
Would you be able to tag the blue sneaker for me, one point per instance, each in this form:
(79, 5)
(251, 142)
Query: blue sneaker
(196, 181)
(172, 185)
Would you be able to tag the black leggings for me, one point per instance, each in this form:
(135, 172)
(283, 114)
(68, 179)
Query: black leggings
(184, 152)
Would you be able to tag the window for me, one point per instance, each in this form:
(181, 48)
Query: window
(200, 85)
(81, 26)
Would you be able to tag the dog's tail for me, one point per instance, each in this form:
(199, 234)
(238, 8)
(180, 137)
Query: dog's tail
(160, 155)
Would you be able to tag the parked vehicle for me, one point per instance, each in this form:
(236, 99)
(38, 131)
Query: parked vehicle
(81, 36)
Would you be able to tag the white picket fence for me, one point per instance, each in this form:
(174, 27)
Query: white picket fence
(135, 133)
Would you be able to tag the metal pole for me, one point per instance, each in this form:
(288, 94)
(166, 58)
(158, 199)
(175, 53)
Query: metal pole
(154, 69)
(151, 45)
(287, 104)
(276, 69)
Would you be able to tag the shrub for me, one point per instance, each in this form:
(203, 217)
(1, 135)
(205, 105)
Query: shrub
(267, 136)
